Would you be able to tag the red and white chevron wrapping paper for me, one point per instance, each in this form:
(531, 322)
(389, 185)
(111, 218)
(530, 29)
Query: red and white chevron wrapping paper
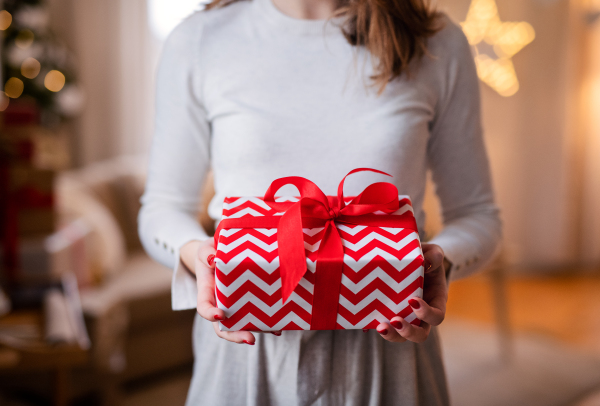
(383, 268)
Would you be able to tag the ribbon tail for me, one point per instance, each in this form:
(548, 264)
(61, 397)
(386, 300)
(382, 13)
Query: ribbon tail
(328, 280)
(290, 246)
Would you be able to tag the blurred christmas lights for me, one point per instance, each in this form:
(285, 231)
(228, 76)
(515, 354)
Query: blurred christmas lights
(30, 68)
(54, 81)
(5, 20)
(37, 68)
(24, 39)
(14, 88)
(483, 26)
(4, 101)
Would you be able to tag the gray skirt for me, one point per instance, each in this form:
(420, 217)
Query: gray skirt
(321, 368)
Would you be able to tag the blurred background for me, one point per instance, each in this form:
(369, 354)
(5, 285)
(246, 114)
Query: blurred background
(85, 315)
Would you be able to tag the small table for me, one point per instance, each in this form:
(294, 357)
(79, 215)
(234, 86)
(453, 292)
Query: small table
(23, 348)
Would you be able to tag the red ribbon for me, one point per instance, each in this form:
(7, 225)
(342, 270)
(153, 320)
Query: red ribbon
(314, 209)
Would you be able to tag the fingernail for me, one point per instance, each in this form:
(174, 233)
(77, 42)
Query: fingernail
(210, 259)
(383, 332)
(365, 330)
(396, 324)
(218, 318)
(414, 303)
(427, 265)
(248, 342)
(276, 333)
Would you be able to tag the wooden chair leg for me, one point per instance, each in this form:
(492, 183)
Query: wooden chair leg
(61, 387)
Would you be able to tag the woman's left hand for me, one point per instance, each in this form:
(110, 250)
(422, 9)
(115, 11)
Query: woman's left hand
(431, 310)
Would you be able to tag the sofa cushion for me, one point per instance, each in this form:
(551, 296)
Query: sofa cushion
(141, 278)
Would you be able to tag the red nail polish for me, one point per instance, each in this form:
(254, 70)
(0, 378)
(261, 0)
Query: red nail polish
(210, 259)
(414, 303)
(218, 318)
(248, 342)
(383, 332)
(276, 333)
(365, 330)
(396, 324)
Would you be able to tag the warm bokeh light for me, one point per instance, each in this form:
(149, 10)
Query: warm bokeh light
(54, 81)
(30, 68)
(483, 24)
(24, 39)
(14, 88)
(498, 73)
(4, 101)
(5, 20)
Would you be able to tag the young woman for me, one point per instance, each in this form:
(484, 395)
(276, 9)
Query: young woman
(262, 89)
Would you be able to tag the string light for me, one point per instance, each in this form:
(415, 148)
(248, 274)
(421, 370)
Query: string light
(5, 20)
(483, 25)
(30, 68)
(24, 39)
(54, 81)
(14, 88)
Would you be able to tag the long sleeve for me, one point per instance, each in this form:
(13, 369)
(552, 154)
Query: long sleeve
(179, 161)
(460, 168)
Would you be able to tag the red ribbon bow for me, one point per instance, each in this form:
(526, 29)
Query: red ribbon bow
(312, 210)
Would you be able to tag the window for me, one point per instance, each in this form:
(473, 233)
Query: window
(164, 15)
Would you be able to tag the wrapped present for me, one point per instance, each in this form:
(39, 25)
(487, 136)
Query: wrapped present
(317, 262)
(31, 194)
(26, 209)
(40, 147)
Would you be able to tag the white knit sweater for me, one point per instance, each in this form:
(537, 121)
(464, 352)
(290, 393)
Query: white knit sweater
(256, 95)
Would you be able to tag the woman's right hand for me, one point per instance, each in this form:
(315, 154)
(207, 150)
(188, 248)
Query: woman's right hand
(199, 256)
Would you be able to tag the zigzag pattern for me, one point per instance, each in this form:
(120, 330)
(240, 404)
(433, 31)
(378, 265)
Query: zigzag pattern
(383, 268)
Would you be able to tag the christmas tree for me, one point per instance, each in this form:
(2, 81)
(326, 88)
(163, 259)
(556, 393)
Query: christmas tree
(37, 69)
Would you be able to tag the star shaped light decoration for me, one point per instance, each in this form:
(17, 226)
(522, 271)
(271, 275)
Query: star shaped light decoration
(495, 42)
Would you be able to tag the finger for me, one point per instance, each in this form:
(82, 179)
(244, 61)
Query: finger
(239, 337)
(417, 334)
(426, 312)
(435, 290)
(205, 281)
(433, 255)
(206, 254)
(390, 334)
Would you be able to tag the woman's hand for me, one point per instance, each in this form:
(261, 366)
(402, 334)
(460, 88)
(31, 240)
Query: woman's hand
(200, 256)
(431, 310)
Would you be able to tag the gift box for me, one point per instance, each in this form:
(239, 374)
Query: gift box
(40, 147)
(26, 209)
(317, 262)
(32, 195)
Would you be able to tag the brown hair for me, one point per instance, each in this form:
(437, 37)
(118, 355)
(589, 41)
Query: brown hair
(393, 31)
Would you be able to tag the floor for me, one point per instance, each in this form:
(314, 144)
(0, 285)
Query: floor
(564, 306)
(541, 371)
(555, 345)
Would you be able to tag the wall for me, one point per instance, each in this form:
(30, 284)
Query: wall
(531, 140)
(588, 117)
(116, 55)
